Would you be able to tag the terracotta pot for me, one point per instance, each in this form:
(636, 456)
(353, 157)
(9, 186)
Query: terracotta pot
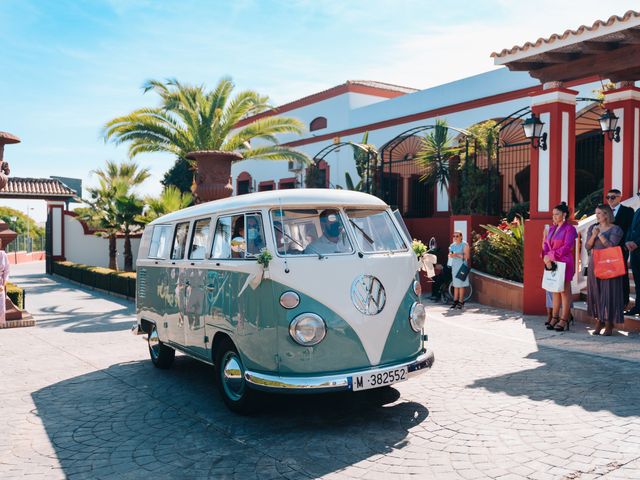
(212, 179)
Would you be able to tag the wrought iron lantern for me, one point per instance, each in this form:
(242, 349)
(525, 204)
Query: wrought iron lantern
(532, 127)
(609, 125)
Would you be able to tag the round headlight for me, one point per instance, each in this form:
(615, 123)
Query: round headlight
(417, 288)
(417, 316)
(307, 329)
(289, 300)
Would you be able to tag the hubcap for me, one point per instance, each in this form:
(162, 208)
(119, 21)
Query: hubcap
(232, 377)
(154, 343)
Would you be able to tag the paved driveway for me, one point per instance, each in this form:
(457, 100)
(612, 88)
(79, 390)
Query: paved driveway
(506, 399)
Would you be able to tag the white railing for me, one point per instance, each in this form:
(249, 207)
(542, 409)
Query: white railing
(579, 281)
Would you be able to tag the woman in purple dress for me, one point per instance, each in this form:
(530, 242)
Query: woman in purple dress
(605, 298)
(559, 246)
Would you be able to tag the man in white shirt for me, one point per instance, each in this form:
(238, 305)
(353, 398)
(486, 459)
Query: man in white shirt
(333, 239)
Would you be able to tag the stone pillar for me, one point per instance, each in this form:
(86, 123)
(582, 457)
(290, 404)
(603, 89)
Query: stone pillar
(552, 181)
(621, 165)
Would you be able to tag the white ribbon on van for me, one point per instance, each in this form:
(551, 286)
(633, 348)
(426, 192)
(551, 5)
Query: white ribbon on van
(253, 280)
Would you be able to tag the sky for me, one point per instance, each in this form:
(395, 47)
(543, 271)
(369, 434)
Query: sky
(69, 66)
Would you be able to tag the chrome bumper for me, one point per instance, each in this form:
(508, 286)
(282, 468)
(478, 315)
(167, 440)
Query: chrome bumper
(261, 381)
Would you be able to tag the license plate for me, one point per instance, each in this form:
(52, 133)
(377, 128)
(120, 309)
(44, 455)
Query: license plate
(379, 378)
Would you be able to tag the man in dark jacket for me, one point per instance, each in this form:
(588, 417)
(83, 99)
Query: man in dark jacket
(632, 244)
(623, 218)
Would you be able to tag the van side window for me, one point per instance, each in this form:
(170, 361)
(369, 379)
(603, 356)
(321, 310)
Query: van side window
(199, 239)
(232, 240)
(222, 239)
(159, 241)
(180, 241)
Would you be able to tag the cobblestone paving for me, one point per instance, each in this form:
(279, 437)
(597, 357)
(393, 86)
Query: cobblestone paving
(505, 399)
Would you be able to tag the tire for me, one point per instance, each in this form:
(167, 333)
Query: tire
(236, 394)
(467, 294)
(161, 355)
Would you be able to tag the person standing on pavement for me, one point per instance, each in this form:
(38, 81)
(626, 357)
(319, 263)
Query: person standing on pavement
(559, 247)
(632, 243)
(459, 254)
(604, 296)
(4, 276)
(623, 216)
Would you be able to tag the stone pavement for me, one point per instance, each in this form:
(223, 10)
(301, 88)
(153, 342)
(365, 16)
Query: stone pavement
(506, 399)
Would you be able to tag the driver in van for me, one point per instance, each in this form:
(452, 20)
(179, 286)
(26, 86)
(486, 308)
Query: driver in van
(333, 238)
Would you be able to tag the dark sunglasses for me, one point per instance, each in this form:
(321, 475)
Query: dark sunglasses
(457, 235)
(612, 197)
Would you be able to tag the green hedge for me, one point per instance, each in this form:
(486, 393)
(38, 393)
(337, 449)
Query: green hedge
(16, 294)
(123, 283)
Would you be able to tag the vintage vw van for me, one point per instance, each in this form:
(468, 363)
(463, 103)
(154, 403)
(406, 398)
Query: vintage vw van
(337, 306)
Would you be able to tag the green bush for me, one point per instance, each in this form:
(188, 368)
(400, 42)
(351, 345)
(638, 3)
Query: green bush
(518, 210)
(500, 250)
(123, 283)
(16, 294)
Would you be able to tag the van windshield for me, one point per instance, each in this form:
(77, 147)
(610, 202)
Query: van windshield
(375, 231)
(310, 232)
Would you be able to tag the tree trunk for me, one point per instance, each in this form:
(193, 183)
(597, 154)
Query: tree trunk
(113, 265)
(128, 256)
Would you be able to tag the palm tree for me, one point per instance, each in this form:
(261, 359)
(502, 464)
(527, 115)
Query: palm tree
(170, 200)
(191, 118)
(435, 154)
(114, 207)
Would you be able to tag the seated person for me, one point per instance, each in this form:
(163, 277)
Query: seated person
(284, 244)
(255, 239)
(238, 244)
(333, 238)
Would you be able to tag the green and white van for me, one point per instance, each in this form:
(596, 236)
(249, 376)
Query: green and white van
(305, 290)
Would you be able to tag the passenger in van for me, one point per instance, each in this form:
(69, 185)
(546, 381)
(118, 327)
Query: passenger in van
(238, 244)
(333, 238)
(255, 239)
(284, 244)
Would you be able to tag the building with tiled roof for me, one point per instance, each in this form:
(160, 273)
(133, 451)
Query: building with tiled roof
(37, 188)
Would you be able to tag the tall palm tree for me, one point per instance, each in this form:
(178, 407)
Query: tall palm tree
(435, 154)
(170, 200)
(115, 207)
(192, 118)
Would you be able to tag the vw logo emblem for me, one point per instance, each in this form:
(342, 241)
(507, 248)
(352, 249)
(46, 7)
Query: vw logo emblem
(368, 295)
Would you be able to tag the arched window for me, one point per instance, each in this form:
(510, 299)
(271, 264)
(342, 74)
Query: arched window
(244, 183)
(318, 123)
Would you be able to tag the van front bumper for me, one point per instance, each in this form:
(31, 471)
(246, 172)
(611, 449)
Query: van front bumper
(343, 381)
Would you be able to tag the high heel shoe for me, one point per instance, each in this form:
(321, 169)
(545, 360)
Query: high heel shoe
(460, 305)
(598, 328)
(554, 321)
(454, 305)
(562, 325)
(608, 331)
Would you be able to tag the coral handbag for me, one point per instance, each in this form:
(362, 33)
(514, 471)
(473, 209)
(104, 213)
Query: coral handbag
(608, 263)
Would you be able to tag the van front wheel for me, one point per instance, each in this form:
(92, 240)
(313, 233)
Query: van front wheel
(161, 355)
(237, 396)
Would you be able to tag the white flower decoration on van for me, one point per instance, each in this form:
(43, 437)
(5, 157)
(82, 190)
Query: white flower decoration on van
(307, 329)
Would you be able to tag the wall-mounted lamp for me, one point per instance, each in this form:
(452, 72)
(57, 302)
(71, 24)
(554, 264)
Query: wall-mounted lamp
(532, 127)
(609, 125)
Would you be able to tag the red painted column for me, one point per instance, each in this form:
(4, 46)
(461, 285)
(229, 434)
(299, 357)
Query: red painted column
(621, 165)
(552, 181)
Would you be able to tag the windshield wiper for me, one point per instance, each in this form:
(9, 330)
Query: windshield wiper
(364, 234)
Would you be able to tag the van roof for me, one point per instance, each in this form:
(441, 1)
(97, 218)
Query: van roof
(305, 197)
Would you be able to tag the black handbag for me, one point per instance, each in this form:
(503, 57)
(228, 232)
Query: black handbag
(463, 272)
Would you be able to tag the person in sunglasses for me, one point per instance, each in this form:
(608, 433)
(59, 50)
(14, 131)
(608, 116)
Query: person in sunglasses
(459, 254)
(623, 216)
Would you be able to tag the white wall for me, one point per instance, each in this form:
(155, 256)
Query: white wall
(91, 249)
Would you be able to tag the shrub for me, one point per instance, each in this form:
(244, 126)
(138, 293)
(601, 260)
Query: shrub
(518, 210)
(16, 294)
(123, 283)
(500, 250)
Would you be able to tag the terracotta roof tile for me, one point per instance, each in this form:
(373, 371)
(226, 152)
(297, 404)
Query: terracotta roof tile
(36, 186)
(6, 137)
(631, 14)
